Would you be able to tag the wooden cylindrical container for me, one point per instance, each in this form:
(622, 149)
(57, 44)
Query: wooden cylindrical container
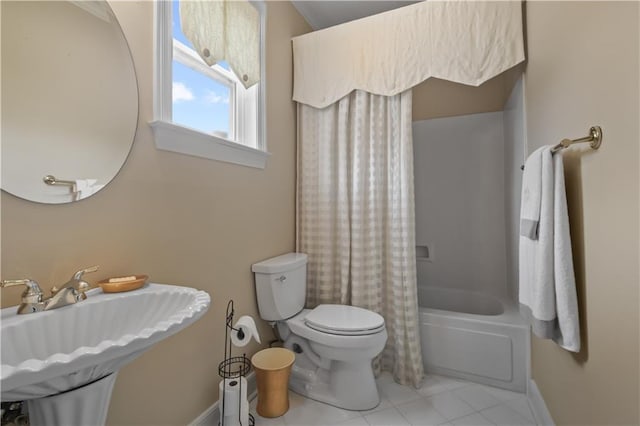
(273, 367)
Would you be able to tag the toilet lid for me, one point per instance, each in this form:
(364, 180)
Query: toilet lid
(346, 320)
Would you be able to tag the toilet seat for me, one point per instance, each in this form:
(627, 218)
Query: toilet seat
(344, 320)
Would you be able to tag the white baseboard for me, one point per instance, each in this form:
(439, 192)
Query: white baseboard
(211, 416)
(539, 407)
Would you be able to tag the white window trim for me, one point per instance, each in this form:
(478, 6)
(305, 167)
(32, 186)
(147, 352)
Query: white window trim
(175, 138)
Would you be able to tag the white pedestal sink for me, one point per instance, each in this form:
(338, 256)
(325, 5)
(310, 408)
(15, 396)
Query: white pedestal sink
(47, 355)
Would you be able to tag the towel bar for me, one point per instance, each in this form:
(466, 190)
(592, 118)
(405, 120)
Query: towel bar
(595, 137)
(51, 180)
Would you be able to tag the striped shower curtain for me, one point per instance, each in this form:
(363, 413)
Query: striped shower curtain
(355, 216)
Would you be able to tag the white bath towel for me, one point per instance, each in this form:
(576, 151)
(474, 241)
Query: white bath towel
(531, 193)
(547, 283)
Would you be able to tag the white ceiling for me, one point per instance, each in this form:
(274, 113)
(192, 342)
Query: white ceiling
(326, 13)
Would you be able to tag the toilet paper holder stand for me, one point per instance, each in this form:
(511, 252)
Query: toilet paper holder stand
(233, 366)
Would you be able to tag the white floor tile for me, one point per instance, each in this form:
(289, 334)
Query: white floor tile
(450, 406)
(277, 421)
(429, 379)
(505, 416)
(451, 383)
(396, 393)
(503, 394)
(384, 377)
(472, 420)
(477, 397)
(388, 417)
(261, 421)
(521, 406)
(296, 400)
(384, 404)
(304, 411)
(421, 412)
(358, 421)
(431, 386)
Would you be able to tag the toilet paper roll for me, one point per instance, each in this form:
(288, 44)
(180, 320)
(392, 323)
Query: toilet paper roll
(229, 395)
(236, 405)
(243, 331)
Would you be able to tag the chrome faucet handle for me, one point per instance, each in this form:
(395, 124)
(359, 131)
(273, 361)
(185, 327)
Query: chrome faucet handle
(32, 294)
(84, 286)
(78, 275)
(77, 282)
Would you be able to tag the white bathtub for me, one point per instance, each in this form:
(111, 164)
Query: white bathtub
(473, 336)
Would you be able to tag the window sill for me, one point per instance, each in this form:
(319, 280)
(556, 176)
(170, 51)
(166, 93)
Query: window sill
(176, 138)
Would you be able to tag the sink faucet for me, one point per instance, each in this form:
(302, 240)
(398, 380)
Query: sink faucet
(75, 283)
(33, 297)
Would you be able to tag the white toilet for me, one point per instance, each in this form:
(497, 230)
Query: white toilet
(334, 344)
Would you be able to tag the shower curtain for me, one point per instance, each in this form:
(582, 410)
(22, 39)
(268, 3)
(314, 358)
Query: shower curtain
(355, 216)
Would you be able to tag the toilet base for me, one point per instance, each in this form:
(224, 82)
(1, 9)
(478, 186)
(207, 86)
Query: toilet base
(347, 385)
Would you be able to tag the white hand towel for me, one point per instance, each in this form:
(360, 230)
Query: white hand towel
(547, 284)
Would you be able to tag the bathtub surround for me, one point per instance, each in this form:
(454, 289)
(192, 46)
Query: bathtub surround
(355, 216)
(467, 174)
(514, 156)
(460, 214)
(180, 220)
(468, 184)
(564, 96)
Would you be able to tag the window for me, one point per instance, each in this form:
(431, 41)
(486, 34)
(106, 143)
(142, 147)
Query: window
(204, 110)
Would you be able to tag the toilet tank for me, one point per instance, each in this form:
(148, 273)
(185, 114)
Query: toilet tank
(281, 285)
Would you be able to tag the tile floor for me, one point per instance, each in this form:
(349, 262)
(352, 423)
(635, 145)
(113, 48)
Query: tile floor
(440, 401)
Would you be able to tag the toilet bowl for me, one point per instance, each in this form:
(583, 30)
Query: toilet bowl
(334, 344)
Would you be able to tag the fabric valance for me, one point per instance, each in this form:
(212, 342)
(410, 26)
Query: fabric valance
(467, 42)
(226, 30)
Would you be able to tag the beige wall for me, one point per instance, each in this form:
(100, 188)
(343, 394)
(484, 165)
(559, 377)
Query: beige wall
(583, 70)
(179, 219)
(435, 98)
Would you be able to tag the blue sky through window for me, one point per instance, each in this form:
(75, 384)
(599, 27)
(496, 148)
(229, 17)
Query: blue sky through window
(198, 101)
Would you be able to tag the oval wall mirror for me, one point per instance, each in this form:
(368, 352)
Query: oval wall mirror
(69, 99)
